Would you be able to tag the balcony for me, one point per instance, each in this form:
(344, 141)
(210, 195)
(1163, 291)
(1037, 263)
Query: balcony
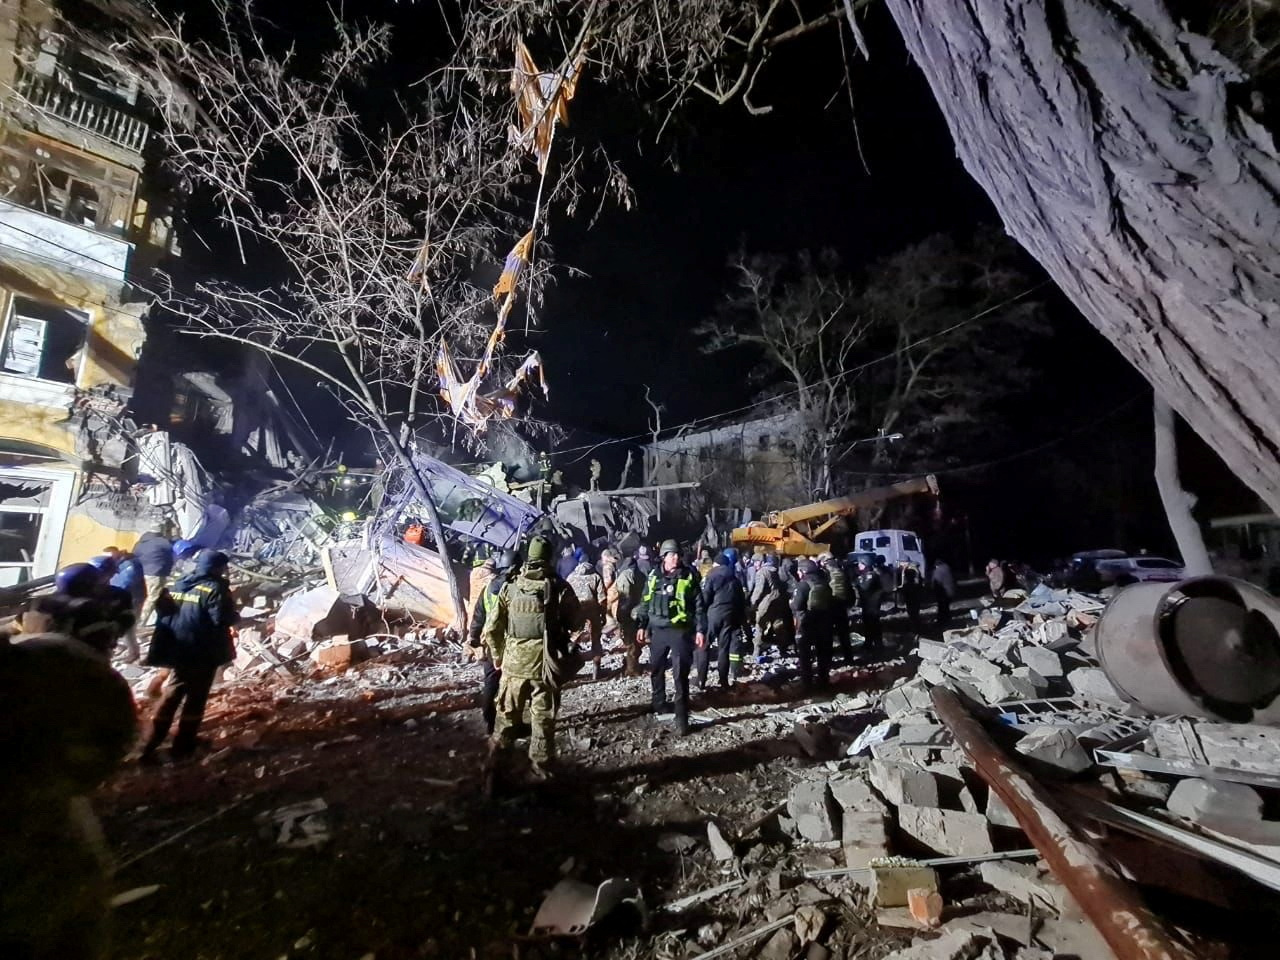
(63, 244)
(46, 96)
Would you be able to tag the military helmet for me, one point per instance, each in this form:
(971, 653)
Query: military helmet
(539, 550)
(505, 560)
(668, 546)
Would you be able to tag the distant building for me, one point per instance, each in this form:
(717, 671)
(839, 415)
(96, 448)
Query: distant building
(747, 465)
(81, 214)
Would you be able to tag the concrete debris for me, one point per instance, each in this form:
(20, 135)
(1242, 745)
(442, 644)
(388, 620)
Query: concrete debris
(339, 653)
(906, 698)
(1026, 882)
(1091, 683)
(1203, 801)
(720, 848)
(815, 812)
(1057, 748)
(949, 833)
(573, 907)
(809, 923)
(903, 785)
(894, 878)
(925, 906)
(953, 945)
(781, 946)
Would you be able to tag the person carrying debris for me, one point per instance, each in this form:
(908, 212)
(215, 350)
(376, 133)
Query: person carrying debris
(811, 604)
(870, 591)
(589, 589)
(673, 620)
(769, 600)
(528, 634)
(726, 607)
(841, 600)
(193, 639)
(627, 589)
(503, 567)
(154, 552)
(129, 577)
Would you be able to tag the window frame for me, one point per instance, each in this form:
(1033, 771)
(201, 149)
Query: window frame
(10, 311)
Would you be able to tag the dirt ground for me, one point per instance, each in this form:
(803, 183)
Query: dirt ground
(416, 862)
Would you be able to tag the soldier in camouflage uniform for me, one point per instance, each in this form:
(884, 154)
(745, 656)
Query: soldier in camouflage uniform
(528, 630)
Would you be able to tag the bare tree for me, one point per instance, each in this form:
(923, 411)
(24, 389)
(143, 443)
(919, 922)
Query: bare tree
(370, 214)
(924, 344)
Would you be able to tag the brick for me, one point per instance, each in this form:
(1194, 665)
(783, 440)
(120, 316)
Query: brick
(949, 833)
(925, 906)
(1024, 882)
(1002, 689)
(954, 945)
(1092, 684)
(932, 650)
(906, 698)
(852, 792)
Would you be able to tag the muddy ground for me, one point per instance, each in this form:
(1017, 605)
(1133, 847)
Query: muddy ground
(416, 862)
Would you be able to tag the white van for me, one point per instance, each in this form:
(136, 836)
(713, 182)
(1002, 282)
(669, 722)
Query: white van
(895, 546)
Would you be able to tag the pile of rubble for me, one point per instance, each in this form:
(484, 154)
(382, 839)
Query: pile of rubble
(895, 830)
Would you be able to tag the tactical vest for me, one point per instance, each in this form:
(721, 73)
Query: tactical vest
(527, 609)
(678, 609)
(819, 598)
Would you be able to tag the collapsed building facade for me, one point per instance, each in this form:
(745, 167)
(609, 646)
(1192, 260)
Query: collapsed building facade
(81, 214)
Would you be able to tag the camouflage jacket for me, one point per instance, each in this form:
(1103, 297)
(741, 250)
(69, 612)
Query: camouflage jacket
(522, 656)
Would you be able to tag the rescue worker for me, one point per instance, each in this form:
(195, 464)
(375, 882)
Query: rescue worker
(870, 591)
(608, 570)
(643, 563)
(503, 566)
(673, 620)
(154, 552)
(193, 638)
(83, 606)
(528, 635)
(628, 587)
(841, 600)
(944, 591)
(811, 605)
(769, 601)
(726, 608)
(129, 578)
(588, 587)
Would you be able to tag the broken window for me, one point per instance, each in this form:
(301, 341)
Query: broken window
(22, 508)
(43, 341)
(65, 183)
(764, 441)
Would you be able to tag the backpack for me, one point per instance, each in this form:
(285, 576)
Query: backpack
(819, 599)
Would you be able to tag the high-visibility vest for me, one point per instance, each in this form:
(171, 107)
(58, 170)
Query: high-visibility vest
(681, 601)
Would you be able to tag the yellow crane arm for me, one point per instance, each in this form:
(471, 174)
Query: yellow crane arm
(841, 506)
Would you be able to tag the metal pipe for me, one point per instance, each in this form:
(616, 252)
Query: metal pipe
(1131, 930)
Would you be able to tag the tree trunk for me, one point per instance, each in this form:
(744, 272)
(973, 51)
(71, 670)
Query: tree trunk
(1115, 149)
(1177, 502)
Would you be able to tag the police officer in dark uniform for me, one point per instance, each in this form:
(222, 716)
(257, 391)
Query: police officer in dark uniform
(504, 566)
(673, 620)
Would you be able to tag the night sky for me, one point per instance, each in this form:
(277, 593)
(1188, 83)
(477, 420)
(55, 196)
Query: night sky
(1072, 472)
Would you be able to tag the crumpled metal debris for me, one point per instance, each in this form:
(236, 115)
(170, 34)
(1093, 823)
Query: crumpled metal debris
(573, 907)
(299, 825)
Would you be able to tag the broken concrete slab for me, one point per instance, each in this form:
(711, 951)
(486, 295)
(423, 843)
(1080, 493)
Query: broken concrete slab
(782, 945)
(931, 673)
(952, 945)
(864, 837)
(972, 668)
(1025, 882)
(925, 906)
(949, 833)
(1055, 747)
(313, 614)
(814, 811)
(1045, 662)
(906, 698)
(1242, 746)
(891, 882)
(852, 792)
(292, 649)
(903, 785)
(1091, 683)
(1003, 689)
(1032, 677)
(999, 813)
(1203, 801)
(932, 650)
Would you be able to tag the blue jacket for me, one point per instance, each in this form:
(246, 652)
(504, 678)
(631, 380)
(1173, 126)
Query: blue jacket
(129, 578)
(193, 624)
(155, 553)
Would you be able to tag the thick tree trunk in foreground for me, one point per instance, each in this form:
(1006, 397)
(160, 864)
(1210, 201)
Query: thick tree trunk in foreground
(1113, 146)
(1177, 502)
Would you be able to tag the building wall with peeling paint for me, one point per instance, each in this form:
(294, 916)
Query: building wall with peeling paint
(76, 216)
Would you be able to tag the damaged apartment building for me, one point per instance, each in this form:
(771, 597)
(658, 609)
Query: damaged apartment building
(81, 217)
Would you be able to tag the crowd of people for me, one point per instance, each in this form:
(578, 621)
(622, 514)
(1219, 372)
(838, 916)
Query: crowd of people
(539, 619)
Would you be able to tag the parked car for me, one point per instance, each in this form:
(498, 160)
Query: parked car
(1123, 571)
